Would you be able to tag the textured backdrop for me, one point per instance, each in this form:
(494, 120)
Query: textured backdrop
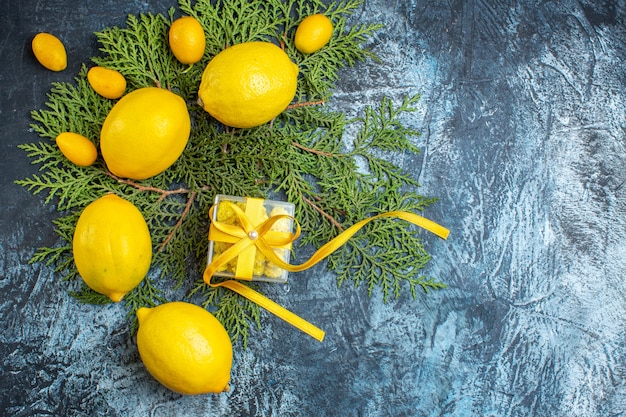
(523, 121)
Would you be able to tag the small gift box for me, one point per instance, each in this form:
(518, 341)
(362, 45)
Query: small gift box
(234, 218)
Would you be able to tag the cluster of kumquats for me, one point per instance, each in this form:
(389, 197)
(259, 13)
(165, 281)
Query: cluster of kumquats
(182, 345)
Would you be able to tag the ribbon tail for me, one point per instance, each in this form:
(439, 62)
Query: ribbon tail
(420, 221)
(274, 308)
(329, 247)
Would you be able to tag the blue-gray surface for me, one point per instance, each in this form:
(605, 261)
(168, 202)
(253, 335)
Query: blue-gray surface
(523, 120)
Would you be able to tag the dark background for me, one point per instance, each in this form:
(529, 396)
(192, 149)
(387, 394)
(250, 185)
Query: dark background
(523, 127)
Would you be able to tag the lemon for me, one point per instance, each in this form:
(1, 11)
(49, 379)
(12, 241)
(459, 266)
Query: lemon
(107, 82)
(185, 348)
(77, 148)
(112, 246)
(144, 133)
(49, 51)
(313, 33)
(248, 84)
(187, 40)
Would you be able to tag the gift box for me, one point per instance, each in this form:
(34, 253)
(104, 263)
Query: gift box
(227, 217)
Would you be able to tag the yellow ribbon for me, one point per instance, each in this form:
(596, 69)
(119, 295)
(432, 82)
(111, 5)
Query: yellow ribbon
(252, 234)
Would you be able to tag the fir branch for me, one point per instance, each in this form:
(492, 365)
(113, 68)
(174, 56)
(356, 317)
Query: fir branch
(381, 263)
(42, 153)
(383, 129)
(69, 189)
(86, 295)
(426, 284)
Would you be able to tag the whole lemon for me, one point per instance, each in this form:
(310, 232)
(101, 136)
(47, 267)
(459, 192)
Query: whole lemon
(187, 40)
(112, 246)
(107, 82)
(77, 148)
(49, 51)
(144, 133)
(185, 348)
(248, 84)
(313, 33)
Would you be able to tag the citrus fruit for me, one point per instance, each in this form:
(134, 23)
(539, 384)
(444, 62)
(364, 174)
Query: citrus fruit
(185, 348)
(187, 40)
(49, 51)
(112, 246)
(248, 84)
(144, 133)
(313, 33)
(77, 148)
(107, 82)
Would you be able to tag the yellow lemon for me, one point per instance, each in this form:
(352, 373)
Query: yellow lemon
(248, 84)
(187, 40)
(77, 148)
(107, 82)
(145, 133)
(185, 348)
(112, 246)
(313, 33)
(49, 51)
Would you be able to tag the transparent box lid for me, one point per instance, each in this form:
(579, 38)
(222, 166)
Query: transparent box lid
(263, 269)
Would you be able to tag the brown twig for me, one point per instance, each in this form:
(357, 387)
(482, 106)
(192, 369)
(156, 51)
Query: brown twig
(141, 187)
(323, 213)
(298, 105)
(315, 151)
(169, 237)
(304, 104)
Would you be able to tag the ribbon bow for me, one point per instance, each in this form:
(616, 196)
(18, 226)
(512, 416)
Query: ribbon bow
(248, 237)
